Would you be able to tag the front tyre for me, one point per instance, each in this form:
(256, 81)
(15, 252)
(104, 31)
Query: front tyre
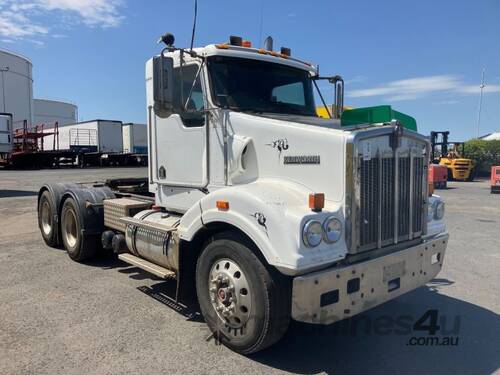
(245, 303)
(472, 175)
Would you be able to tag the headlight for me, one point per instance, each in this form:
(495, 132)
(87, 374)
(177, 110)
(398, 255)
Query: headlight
(332, 229)
(312, 233)
(438, 210)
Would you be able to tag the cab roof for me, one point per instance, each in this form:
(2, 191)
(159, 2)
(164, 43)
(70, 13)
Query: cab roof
(249, 53)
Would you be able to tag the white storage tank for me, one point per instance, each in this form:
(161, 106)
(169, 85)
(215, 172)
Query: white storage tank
(135, 138)
(16, 87)
(90, 136)
(48, 112)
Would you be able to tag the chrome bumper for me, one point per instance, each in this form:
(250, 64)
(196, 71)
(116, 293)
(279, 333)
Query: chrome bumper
(330, 295)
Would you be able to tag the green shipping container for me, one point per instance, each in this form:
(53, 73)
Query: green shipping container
(376, 115)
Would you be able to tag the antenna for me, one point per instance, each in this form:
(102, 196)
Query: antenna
(261, 22)
(194, 22)
(481, 87)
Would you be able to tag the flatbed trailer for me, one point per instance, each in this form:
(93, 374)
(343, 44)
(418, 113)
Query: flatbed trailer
(72, 158)
(103, 159)
(41, 159)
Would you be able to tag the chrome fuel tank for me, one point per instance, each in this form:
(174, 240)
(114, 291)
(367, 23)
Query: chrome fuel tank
(156, 245)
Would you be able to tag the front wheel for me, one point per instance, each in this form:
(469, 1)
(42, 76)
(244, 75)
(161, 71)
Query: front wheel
(472, 175)
(245, 303)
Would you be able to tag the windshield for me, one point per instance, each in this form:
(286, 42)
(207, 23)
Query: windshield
(259, 86)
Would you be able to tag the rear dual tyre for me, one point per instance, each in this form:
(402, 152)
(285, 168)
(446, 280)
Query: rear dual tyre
(80, 247)
(46, 222)
(245, 303)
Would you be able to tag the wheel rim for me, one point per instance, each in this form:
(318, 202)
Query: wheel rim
(230, 293)
(46, 218)
(70, 228)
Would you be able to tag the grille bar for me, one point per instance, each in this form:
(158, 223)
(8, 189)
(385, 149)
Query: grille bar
(391, 201)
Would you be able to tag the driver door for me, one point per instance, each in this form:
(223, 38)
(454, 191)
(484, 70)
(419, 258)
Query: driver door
(180, 139)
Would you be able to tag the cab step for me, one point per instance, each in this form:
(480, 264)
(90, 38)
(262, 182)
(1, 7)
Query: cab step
(145, 265)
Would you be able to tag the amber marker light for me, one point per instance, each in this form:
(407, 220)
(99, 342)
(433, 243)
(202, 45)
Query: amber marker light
(223, 205)
(316, 201)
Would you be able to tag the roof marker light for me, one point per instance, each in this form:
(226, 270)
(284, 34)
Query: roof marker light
(286, 51)
(246, 43)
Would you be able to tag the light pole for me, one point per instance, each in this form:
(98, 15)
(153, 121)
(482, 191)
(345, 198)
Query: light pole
(481, 87)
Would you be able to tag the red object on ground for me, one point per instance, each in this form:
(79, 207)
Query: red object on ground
(495, 179)
(438, 175)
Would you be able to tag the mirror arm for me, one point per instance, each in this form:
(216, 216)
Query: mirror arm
(321, 96)
(338, 93)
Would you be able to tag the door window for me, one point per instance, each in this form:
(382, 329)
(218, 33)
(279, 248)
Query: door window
(192, 114)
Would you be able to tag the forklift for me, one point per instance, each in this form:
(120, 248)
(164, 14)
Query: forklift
(452, 155)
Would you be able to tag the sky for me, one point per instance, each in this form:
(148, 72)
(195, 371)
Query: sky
(422, 57)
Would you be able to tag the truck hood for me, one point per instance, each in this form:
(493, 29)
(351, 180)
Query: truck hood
(307, 151)
(307, 120)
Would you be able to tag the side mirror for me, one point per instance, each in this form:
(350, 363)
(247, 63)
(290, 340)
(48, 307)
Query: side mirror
(163, 85)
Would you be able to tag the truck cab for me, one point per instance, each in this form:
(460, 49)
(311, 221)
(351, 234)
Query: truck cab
(267, 211)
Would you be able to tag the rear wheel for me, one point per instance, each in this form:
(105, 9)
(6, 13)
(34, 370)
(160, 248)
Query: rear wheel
(46, 223)
(80, 247)
(245, 304)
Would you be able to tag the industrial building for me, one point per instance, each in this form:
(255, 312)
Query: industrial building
(491, 137)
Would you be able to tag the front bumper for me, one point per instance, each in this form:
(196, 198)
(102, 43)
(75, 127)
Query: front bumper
(331, 295)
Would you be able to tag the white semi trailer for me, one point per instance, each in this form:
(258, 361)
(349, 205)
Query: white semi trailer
(135, 138)
(104, 136)
(6, 123)
(263, 210)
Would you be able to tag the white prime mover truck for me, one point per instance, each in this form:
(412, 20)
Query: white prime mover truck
(255, 205)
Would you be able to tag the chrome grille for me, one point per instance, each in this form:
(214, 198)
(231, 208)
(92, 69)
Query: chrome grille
(391, 199)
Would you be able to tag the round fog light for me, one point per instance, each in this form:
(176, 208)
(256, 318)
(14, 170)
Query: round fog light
(312, 233)
(332, 229)
(439, 211)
